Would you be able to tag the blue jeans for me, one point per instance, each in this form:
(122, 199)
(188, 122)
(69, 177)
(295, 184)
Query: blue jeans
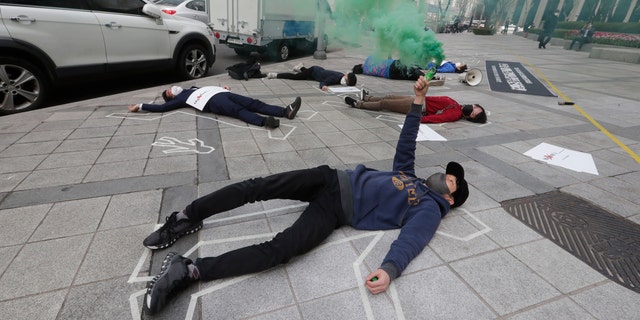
(243, 108)
(318, 186)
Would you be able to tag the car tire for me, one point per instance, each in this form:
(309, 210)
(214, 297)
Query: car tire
(193, 62)
(23, 86)
(281, 51)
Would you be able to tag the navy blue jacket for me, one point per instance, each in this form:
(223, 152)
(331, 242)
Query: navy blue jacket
(326, 77)
(384, 200)
(179, 101)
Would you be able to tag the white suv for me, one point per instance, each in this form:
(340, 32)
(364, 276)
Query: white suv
(45, 41)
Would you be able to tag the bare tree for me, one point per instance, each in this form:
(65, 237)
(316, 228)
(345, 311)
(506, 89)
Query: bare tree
(442, 12)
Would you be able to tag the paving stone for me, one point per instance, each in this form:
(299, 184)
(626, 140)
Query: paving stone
(8, 181)
(324, 270)
(57, 125)
(609, 201)
(71, 218)
(83, 133)
(171, 164)
(100, 262)
(352, 154)
(39, 136)
(69, 159)
(563, 309)
(598, 302)
(91, 301)
(31, 271)
(506, 230)
(267, 145)
(345, 305)
(124, 154)
(505, 283)
(37, 307)
(544, 257)
(115, 170)
(132, 209)
(380, 150)
(317, 157)
(248, 166)
(284, 161)
(9, 253)
(82, 144)
(240, 148)
(266, 291)
(54, 177)
(444, 286)
(28, 149)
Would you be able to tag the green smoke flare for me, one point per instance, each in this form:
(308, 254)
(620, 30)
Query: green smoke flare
(398, 29)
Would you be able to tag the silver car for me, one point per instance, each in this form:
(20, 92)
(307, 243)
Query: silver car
(192, 9)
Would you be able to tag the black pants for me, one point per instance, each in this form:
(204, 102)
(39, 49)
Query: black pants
(318, 186)
(304, 74)
(581, 40)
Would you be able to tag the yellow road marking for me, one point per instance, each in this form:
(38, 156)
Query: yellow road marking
(584, 113)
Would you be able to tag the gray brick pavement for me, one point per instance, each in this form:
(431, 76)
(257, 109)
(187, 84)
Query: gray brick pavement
(81, 185)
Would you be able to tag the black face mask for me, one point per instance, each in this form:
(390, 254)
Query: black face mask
(467, 109)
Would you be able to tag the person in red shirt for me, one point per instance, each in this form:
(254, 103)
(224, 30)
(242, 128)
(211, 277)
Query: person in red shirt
(437, 109)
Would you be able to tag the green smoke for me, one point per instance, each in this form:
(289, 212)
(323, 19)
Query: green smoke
(396, 26)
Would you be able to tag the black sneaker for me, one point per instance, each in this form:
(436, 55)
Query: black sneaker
(171, 231)
(350, 101)
(174, 276)
(271, 122)
(363, 94)
(293, 108)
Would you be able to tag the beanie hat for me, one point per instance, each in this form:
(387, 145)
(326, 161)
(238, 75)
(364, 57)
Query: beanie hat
(462, 192)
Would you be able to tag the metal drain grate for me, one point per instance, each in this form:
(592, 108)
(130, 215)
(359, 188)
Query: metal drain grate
(604, 241)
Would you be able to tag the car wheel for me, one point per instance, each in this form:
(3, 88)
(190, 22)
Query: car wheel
(22, 86)
(193, 62)
(281, 52)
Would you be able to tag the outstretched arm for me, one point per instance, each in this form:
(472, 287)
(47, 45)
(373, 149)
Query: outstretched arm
(167, 106)
(406, 148)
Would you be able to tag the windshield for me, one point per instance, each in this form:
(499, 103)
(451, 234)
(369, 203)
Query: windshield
(169, 2)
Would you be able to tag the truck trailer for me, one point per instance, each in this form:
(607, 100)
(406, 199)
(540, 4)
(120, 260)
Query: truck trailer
(274, 27)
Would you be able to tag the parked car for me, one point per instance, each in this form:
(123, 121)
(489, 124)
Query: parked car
(45, 42)
(192, 9)
(510, 29)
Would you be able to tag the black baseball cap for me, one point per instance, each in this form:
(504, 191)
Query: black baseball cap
(462, 192)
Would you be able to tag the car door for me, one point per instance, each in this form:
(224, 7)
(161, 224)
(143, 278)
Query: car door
(66, 30)
(129, 34)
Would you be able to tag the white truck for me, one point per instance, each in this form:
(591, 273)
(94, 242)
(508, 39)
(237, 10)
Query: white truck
(275, 27)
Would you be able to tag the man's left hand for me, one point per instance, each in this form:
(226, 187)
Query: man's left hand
(134, 108)
(380, 284)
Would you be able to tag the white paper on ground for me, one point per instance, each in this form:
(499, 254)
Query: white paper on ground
(562, 157)
(425, 133)
(343, 89)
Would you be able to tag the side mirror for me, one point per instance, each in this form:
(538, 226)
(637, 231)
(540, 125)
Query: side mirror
(152, 11)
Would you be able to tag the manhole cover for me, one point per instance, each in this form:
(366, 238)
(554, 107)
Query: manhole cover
(604, 241)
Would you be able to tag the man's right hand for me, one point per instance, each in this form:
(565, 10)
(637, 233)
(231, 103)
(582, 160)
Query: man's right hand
(134, 107)
(420, 88)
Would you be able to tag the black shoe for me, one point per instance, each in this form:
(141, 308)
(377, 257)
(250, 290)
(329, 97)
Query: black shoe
(271, 122)
(174, 276)
(350, 101)
(363, 94)
(293, 108)
(171, 231)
